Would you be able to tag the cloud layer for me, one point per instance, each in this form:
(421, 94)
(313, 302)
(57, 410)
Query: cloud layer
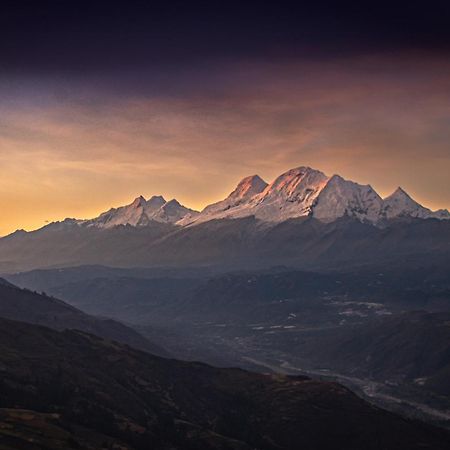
(75, 147)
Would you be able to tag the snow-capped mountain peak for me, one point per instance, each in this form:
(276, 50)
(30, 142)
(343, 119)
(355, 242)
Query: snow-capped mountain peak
(342, 197)
(400, 195)
(138, 202)
(172, 212)
(125, 215)
(142, 212)
(304, 191)
(298, 192)
(400, 204)
(248, 187)
(295, 181)
(290, 195)
(400, 192)
(155, 202)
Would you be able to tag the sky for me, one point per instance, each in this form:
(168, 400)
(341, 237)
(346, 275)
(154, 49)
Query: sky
(102, 102)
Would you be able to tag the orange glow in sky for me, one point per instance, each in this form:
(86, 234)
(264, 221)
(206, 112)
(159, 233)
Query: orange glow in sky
(78, 154)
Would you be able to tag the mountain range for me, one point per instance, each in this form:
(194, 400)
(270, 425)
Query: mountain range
(299, 192)
(141, 213)
(296, 193)
(303, 218)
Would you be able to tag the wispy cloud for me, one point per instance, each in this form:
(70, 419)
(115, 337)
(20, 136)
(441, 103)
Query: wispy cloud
(377, 120)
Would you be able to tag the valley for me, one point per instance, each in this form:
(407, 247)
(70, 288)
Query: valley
(347, 326)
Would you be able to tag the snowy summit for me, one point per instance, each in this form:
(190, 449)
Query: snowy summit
(299, 192)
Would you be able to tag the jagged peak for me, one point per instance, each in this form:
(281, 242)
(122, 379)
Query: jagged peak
(173, 202)
(400, 203)
(342, 197)
(338, 179)
(399, 192)
(296, 180)
(401, 196)
(248, 187)
(349, 185)
(252, 179)
(139, 201)
(157, 198)
(155, 202)
(299, 171)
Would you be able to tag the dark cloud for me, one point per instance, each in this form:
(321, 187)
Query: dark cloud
(95, 36)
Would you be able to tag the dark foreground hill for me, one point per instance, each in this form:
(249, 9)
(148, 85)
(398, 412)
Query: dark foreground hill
(74, 390)
(28, 306)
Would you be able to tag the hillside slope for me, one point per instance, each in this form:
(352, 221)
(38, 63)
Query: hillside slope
(27, 306)
(124, 395)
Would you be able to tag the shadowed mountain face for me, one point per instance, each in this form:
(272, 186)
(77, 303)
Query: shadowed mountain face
(66, 243)
(237, 243)
(78, 389)
(27, 306)
(151, 295)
